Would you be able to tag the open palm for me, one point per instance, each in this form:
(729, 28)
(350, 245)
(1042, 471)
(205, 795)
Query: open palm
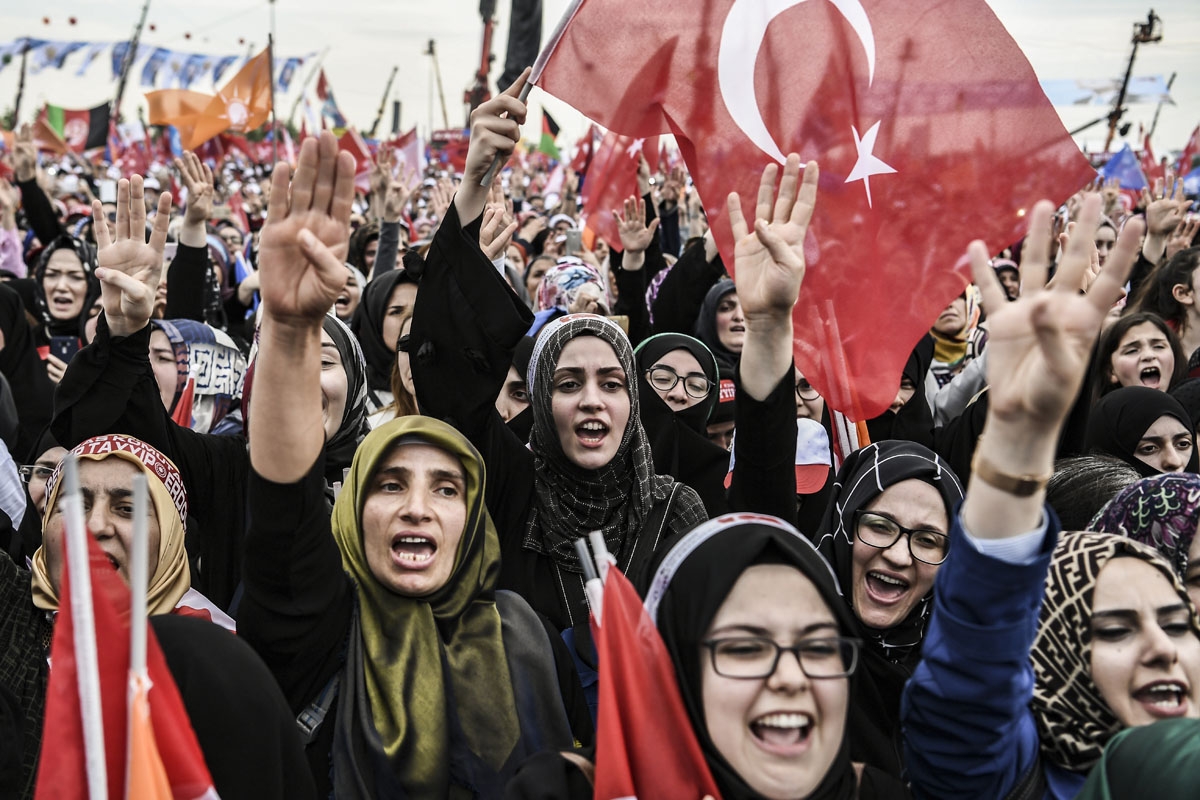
(769, 259)
(131, 266)
(304, 242)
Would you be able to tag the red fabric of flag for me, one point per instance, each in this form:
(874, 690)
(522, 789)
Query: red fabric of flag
(1150, 166)
(645, 746)
(611, 178)
(61, 770)
(1190, 150)
(583, 151)
(928, 122)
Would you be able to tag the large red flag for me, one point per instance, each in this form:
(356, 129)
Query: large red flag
(61, 770)
(645, 746)
(242, 105)
(1150, 166)
(583, 151)
(1190, 150)
(929, 125)
(611, 178)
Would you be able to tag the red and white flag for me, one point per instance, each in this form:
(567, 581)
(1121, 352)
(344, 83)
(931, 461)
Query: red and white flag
(163, 744)
(1150, 166)
(645, 745)
(612, 177)
(929, 125)
(1190, 150)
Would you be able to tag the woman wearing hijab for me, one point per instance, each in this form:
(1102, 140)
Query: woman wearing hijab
(424, 681)
(1162, 511)
(1159, 760)
(21, 365)
(200, 372)
(1147, 429)
(1039, 650)
(64, 291)
(569, 287)
(111, 386)
(721, 326)
(386, 302)
(886, 533)
(677, 385)
(29, 598)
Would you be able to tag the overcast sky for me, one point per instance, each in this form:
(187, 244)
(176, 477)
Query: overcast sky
(1065, 39)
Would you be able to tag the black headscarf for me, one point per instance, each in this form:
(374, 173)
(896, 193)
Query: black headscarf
(522, 423)
(888, 656)
(358, 245)
(689, 587)
(339, 450)
(678, 439)
(367, 325)
(706, 323)
(87, 259)
(914, 421)
(569, 500)
(1120, 419)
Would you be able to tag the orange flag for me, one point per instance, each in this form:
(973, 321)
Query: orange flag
(242, 105)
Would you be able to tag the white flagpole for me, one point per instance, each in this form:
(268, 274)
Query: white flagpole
(138, 583)
(86, 656)
(592, 587)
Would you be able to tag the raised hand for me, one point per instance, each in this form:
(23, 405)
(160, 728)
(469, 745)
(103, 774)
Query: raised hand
(1182, 237)
(442, 197)
(304, 242)
(769, 261)
(10, 198)
(380, 172)
(396, 193)
(129, 266)
(1039, 345)
(1164, 206)
(24, 155)
(498, 224)
(495, 131)
(636, 235)
(198, 180)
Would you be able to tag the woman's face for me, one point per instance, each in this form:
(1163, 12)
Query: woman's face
(1166, 445)
(37, 482)
(888, 583)
(809, 403)
(232, 238)
(65, 284)
(413, 519)
(514, 395)
(590, 402)
(403, 364)
(347, 300)
(1105, 238)
(684, 367)
(1145, 657)
(166, 370)
(534, 279)
(515, 257)
(780, 733)
(334, 386)
(1143, 358)
(903, 395)
(399, 308)
(953, 320)
(731, 325)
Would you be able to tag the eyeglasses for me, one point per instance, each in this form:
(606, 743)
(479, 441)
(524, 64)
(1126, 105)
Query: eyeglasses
(876, 530)
(664, 379)
(805, 390)
(31, 471)
(758, 656)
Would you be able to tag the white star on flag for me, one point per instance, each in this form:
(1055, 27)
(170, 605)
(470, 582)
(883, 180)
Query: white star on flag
(635, 149)
(868, 164)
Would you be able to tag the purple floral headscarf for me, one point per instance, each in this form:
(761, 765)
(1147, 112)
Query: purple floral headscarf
(1161, 511)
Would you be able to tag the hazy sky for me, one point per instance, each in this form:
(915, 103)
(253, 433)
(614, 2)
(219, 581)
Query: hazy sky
(1064, 39)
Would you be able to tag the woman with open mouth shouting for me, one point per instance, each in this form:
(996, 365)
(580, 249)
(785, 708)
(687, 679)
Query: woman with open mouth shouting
(1040, 648)
(886, 533)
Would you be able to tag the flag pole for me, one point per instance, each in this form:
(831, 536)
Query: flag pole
(87, 657)
(12, 123)
(312, 73)
(271, 62)
(138, 582)
(127, 64)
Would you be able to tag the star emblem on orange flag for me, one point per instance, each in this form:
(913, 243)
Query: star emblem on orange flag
(241, 105)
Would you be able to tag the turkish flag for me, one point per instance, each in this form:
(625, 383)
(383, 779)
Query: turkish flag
(352, 143)
(172, 752)
(611, 178)
(1150, 166)
(582, 159)
(1189, 153)
(645, 745)
(242, 105)
(928, 122)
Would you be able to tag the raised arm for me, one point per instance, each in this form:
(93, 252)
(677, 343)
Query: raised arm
(492, 136)
(303, 246)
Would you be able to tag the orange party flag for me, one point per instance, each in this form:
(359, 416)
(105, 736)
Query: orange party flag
(242, 105)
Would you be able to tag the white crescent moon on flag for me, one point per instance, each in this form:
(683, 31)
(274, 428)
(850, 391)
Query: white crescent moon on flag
(741, 39)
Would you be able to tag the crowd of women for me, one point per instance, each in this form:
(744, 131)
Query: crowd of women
(374, 427)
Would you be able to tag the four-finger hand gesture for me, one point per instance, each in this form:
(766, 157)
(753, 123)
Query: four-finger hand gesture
(130, 267)
(24, 155)
(1040, 344)
(1164, 206)
(769, 260)
(306, 236)
(198, 180)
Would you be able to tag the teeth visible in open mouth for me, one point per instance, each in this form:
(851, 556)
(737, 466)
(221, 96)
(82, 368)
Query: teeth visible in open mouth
(593, 427)
(1165, 695)
(784, 721)
(879, 576)
(414, 557)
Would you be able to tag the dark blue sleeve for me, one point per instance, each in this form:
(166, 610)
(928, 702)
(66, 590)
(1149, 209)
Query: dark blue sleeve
(968, 730)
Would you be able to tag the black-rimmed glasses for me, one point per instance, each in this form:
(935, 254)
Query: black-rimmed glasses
(805, 390)
(664, 378)
(876, 530)
(30, 471)
(758, 656)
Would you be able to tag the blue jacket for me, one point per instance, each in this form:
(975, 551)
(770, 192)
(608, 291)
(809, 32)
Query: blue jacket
(968, 730)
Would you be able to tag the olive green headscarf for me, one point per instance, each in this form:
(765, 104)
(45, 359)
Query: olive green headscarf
(427, 658)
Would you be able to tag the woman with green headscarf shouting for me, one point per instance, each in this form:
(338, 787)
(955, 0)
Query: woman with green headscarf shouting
(411, 675)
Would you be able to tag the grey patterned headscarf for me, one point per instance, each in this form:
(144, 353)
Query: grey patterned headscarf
(571, 501)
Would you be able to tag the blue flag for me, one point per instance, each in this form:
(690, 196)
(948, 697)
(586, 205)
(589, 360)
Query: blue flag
(287, 73)
(118, 58)
(153, 65)
(222, 65)
(1125, 168)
